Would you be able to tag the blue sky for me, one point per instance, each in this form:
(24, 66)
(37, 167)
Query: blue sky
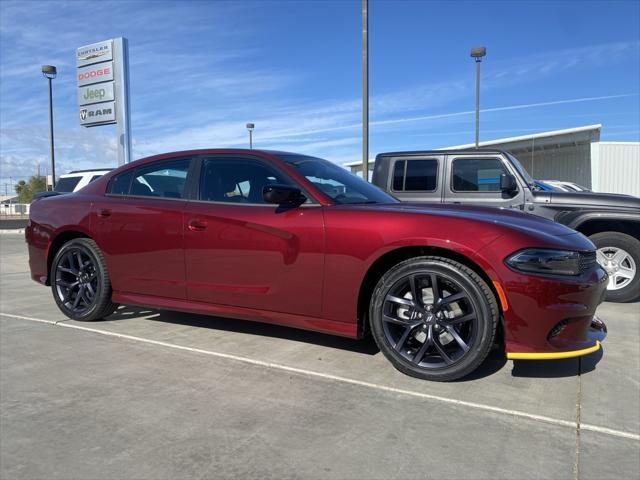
(201, 70)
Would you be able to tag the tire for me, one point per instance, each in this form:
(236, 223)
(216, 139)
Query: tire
(80, 282)
(417, 338)
(619, 254)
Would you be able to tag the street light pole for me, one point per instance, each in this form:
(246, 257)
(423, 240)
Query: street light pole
(50, 72)
(478, 53)
(365, 89)
(250, 127)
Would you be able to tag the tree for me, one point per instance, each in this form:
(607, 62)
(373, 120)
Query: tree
(25, 190)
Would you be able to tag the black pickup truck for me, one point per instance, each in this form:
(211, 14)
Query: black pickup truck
(496, 178)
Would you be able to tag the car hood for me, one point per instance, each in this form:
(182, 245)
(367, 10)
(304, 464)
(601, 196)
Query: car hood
(508, 218)
(588, 199)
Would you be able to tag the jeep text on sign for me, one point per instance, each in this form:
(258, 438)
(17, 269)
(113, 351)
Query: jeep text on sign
(100, 72)
(98, 92)
(98, 113)
(94, 53)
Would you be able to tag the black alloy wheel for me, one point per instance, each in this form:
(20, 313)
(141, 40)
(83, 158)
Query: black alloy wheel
(433, 318)
(79, 281)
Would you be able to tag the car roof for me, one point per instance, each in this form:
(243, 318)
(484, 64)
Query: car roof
(442, 152)
(91, 170)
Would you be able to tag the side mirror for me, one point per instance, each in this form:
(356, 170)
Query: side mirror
(283, 195)
(508, 183)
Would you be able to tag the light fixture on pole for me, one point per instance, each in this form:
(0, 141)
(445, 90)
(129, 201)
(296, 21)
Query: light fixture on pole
(50, 72)
(250, 127)
(478, 53)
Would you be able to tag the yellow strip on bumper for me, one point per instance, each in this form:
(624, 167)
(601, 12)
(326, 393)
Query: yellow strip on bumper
(553, 355)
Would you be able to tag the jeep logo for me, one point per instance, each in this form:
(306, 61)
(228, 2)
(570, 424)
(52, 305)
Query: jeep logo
(94, 94)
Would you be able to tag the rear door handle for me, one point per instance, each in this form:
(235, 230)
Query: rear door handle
(104, 213)
(197, 225)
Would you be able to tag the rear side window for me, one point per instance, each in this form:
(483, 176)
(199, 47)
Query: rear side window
(165, 179)
(418, 175)
(95, 177)
(119, 185)
(476, 174)
(67, 184)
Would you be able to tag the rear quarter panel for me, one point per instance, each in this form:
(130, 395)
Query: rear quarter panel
(49, 218)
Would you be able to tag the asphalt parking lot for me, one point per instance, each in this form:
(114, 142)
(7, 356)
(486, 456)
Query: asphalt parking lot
(156, 394)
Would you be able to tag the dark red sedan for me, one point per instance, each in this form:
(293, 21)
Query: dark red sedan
(291, 239)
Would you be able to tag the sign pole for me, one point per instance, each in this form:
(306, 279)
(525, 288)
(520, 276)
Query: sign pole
(121, 77)
(365, 89)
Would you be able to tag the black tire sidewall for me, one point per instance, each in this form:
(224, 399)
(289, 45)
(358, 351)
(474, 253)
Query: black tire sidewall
(103, 295)
(632, 246)
(486, 323)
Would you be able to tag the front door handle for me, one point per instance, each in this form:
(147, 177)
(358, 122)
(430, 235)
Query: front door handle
(104, 213)
(196, 225)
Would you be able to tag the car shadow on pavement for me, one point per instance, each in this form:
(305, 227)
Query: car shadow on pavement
(568, 367)
(366, 345)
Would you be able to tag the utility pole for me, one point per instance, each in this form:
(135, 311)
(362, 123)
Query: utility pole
(365, 89)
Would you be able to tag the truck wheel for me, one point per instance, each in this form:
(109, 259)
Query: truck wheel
(433, 318)
(619, 255)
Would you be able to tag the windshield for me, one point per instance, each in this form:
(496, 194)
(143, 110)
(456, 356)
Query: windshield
(518, 166)
(337, 183)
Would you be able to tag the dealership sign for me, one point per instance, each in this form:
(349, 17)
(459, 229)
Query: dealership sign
(102, 75)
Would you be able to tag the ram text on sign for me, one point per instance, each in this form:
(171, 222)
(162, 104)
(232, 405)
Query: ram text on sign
(97, 92)
(98, 113)
(94, 53)
(100, 72)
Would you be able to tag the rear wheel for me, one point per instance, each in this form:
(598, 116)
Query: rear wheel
(619, 254)
(433, 318)
(79, 281)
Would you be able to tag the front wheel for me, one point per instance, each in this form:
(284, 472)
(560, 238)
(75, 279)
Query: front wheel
(79, 281)
(433, 318)
(619, 254)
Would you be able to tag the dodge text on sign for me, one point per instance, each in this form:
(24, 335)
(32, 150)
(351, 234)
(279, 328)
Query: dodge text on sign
(100, 72)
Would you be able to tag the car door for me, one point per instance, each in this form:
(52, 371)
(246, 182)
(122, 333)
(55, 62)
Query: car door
(416, 179)
(139, 227)
(244, 252)
(475, 179)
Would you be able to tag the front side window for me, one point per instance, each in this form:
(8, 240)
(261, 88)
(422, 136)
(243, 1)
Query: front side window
(237, 180)
(477, 174)
(418, 175)
(165, 179)
(337, 183)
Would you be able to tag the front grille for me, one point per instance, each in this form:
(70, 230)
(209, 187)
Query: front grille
(587, 261)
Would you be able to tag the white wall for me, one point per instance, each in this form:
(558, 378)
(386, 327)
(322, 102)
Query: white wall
(615, 167)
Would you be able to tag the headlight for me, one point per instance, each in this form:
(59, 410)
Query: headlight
(545, 262)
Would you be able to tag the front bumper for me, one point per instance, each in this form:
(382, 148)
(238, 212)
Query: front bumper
(597, 332)
(552, 318)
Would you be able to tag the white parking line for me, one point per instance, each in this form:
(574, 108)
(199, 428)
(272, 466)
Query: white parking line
(337, 378)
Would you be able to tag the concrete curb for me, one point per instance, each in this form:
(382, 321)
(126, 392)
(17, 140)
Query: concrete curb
(10, 231)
